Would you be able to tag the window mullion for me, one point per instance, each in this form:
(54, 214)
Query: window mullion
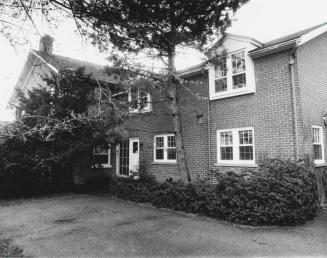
(237, 146)
(229, 73)
(165, 140)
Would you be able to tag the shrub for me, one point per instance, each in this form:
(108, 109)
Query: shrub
(279, 193)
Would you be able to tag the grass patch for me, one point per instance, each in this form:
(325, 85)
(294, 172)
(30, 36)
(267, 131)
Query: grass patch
(7, 249)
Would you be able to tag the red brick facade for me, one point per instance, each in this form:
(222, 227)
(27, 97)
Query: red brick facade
(312, 90)
(269, 111)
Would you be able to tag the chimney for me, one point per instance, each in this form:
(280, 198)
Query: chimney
(46, 44)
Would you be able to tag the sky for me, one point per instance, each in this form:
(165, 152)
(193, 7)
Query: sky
(263, 20)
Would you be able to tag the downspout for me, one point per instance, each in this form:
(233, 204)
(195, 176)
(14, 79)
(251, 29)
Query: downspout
(295, 120)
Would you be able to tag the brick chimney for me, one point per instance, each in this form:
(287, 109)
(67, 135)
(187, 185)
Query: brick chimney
(46, 44)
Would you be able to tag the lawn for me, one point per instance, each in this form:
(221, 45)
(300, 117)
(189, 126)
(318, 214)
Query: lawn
(99, 225)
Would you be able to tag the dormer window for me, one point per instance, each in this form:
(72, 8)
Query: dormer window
(231, 75)
(238, 70)
(221, 75)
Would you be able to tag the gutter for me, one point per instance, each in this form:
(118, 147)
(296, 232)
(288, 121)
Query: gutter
(43, 60)
(274, 48)
(293, 86)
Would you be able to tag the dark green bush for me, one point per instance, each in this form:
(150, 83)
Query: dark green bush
(279, 193)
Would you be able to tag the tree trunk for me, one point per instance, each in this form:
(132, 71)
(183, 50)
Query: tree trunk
(180, 149)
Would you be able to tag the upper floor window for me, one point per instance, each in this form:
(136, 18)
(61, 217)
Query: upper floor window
(235, 146)
(318, 145)
(231, 75)
(140, 101)
(238, 70)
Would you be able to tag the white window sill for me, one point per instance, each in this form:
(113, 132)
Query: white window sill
(229, 94)
(123, 176)
(103, 166)
(248, 165)
(137, 111)
(320, 164)
(164, 163)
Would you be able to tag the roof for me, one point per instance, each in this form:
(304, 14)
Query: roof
(63, 62)
(192, 70)
(273, 46)
(56, 63)
(287, 41)
(292, 36)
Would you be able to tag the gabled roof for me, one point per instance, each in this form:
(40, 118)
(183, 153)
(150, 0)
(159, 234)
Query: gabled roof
(292, 36)
(56, 63)
(273, 46)
(289, 41)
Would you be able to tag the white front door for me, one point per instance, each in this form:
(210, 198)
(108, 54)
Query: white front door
(134, 154)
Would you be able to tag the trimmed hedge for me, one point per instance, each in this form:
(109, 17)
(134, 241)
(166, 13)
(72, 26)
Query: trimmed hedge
(279, 193)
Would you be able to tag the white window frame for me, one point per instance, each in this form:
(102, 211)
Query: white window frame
(230, 92)
(236, 144)
(104, 165)
(146, 108)
(165, 148)
(321, 137)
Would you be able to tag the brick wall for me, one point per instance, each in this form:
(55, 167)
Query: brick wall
(269, 110)
(312, 94)
(145, 126)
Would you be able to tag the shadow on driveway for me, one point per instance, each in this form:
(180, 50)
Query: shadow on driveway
(93, 225)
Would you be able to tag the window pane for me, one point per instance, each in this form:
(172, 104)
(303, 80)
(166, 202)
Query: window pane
(317, 152)
(100, 159)
(100, 150)
(135, 147)
(221, 85)
(246, 153)
(134, 100)
(221, 68)
(144, 101)
(246, 137)
(316, 135)
(171, 141)
(226, 138)
(238, 62)
(226, 153)
(239, 81)
(171, 154)
(159, 154)
(159, 142)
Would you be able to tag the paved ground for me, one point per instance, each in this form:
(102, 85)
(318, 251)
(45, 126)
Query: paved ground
(85, 225)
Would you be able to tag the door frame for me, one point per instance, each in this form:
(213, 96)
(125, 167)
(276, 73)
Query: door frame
(131, 140)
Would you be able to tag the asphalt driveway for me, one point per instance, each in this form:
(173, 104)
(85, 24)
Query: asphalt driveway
(89, 225)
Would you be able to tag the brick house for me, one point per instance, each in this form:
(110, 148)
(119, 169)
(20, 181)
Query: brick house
(260, 99)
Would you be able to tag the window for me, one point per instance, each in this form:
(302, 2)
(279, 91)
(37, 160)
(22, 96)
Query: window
(221, 75)
(318, 146)
(232, 75)
(101, 156)
(140, 101)
(235, 146)
(238, 70)
(165, 148)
